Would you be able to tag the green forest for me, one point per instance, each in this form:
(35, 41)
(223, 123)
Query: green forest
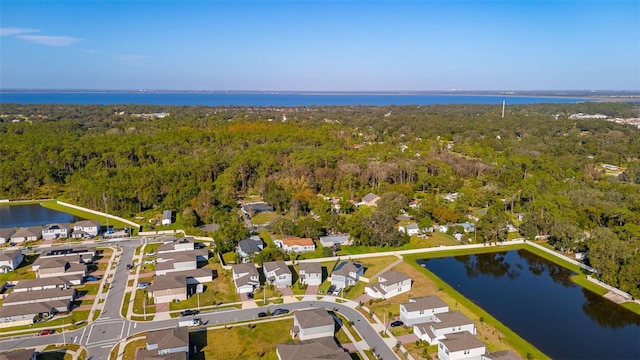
(535, 169)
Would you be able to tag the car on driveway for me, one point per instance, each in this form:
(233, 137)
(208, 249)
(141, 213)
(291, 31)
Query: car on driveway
(262, 314)
(142, 285)
(189, 313)
(46, 332)
(277, 312)
(397, 323)
(149, 262)
(150, 254)
(91, 278)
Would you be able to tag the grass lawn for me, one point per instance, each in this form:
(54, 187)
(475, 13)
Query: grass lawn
(436, 239)
(373, 265)
(264, 218)
(52, 204)
(130, 349)
(220, 291)
(23, 272)
(297, 290)
(272, 292)
(347, 324)
(230, 257)
(139, 302)
(246, 341)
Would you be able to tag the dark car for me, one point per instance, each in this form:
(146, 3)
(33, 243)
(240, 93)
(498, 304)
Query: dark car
(129, 266)
(262, 314)
(331, 289)
(277, 312)
(46, 332)
(397, 323)
(91, 278)
(189, 313)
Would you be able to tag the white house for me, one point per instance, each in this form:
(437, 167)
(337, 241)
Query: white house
(389, 285)
(299, 245)
(335, 240)
(167, 217)
(176, 261)
(10, 260)
(86, 229)
(245, 277)
(310, 273)
(409, 229)
(5, 234)
(444, 324)
(277, 273)
(461, 346)
(312, 324)
(346, 274)
(55, 231)
(422, 309)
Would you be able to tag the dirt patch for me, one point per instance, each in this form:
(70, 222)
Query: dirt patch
(618, 299)
(145, 275)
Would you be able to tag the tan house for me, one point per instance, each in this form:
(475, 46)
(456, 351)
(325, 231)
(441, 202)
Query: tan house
(312, 324)
(24, 234)
(166, 288)
(170, 344)
(321, 348)
(58, 267)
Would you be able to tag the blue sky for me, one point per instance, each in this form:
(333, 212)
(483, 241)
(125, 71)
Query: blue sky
(321, 45)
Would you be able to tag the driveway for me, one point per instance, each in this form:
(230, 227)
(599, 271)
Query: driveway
(312, 290)
(286, 291)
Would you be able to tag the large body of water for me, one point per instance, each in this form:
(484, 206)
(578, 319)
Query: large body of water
(537, 299)
(32, 215)
(266, 99)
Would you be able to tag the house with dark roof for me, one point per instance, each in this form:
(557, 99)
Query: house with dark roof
(389, 284)
(166, 288)
(5, 234)
(255, 208)
(310, 273)
(461, 346)
(501, 355)
(167, 342)
(443, 325)
(315, 349)
(23, 234)
(56, 231)
(245, 277)
(346, 274)
(277, 273)
(19, 355)
(312, 324)
(59, 282)
(10, 260)
(247, 248)
(422, 309)
(86, 229)
(370, 199)
(78, 254)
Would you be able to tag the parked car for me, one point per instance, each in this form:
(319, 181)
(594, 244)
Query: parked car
(277, 312)
(149, 262)
(150, 254)
(262, 314)
(331, 289)
(129, 266)
(142, 285)
(91, 278)
(336, 292)
(46, 332)
(189, 313)
(397, 323)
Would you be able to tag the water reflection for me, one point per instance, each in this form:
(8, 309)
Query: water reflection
(539, 265)
(489, 264)
(606, 313)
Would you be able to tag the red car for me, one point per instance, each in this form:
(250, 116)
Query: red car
(46, 332)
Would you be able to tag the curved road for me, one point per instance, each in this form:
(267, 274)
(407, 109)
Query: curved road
(102, 335)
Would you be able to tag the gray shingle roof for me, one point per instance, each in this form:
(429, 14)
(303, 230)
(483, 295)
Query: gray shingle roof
(169, 338)
(312, 318)
(451, 318)
(310, 267)
(461, 341)
(425, 302)
(324, 348)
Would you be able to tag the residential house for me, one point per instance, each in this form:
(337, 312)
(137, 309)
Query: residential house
(461, 346)
(166, 288)
(451, 197)
(310, 273)
(25, 354)
(80, 255)
(389, 285)
(314, 349)
(10, 260)
(467, 227)
(277, 273)
(167, 342)
(59, 266)
(56, 231)
(245, 277)
(346, 274)
(409, 229)
(86, 229)
(292, 243)
(422, 309)
(370, 199)
(501, 355)
(253, 209)
(247, 248)
(5, 234)
(167, 217)
(30, 297)
(26, 314)
(443, 325)
(335, 240)
(174, 245)
(23, 234)
(312, 324)
(43, 284)
(442, 228)
(414, 204)
(176, 261)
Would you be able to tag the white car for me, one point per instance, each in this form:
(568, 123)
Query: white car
(142, 285)
(149, 262)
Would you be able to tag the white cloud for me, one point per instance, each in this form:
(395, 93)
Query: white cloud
(7, 31)
(58, 41)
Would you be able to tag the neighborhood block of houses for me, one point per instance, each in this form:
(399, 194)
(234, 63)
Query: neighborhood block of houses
(80, 229)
